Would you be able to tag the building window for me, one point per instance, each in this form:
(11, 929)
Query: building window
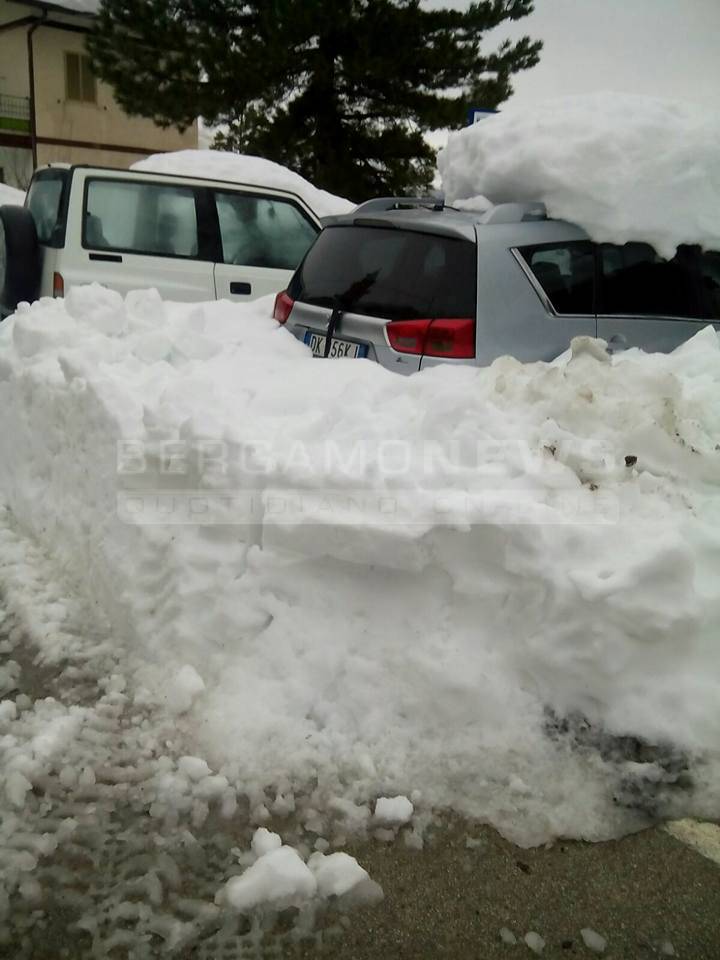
(79, 79)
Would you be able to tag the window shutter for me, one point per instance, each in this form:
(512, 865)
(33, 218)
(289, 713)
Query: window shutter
(73, 89)
(87, 78)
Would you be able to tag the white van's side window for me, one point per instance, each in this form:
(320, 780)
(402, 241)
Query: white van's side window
(143, 218)
(262, 232)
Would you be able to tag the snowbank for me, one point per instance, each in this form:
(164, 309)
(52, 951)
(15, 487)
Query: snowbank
(11, 195)
(625, 167)
(238, 168)
(460, 588)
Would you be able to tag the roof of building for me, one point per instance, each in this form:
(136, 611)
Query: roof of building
(86, 8)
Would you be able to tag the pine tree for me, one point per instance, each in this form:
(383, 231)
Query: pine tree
(342, 91)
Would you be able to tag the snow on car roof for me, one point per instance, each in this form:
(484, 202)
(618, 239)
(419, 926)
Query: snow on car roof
(242, 168)
(625, 167)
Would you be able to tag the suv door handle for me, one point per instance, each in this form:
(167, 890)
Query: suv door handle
(237, 287)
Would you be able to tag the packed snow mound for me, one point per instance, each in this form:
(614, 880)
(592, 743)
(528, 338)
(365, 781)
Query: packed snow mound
(479, 589)
(624, 167)
(239, 168)
(11, 195)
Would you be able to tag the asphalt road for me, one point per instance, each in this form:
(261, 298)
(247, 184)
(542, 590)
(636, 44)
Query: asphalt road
(643, 894)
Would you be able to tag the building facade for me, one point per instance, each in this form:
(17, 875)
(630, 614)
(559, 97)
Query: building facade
(52, 107)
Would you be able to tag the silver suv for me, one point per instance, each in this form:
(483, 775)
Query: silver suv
(411, 283)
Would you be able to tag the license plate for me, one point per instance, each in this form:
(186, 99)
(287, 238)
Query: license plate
(338, 348)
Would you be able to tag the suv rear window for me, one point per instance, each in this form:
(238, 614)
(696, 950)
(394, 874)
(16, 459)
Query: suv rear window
(389, 273)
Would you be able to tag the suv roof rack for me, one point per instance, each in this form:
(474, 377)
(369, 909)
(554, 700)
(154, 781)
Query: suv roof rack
(514, 213)
(378, 204)
(499, 213)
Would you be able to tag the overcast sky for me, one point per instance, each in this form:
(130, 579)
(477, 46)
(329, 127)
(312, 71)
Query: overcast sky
(665, 48)
(668, 48)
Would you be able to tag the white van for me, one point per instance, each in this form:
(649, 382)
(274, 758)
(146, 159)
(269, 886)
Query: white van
(191, 238)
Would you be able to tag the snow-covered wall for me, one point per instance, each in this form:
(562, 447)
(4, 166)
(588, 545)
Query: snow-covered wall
(411, 586)
(623, 166)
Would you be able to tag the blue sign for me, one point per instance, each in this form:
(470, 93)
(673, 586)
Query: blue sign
(476, 114)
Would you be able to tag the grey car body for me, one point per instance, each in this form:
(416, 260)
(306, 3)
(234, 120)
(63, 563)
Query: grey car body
(536, 284)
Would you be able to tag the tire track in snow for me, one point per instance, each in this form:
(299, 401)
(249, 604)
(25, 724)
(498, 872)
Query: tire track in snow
(95, 859)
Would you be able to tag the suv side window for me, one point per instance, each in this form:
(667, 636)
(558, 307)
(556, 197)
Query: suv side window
(710, 280)
(144, 218)
(262, 232)
(566, 273)
(636, 281)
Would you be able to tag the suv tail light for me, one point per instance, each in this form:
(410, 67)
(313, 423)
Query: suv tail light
(283, 306)
(58, 285)
(452, 337)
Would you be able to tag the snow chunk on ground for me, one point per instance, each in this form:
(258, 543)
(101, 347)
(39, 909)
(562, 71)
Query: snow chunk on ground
(194, 768)
(9, 674)
(623, 166)
(183, 688)
(393, 810)
(535, 942)
(241, 168)
(336, 874)
(10, 195)
(278, 879)
(264, 841)
(592, 940)
(16, 786)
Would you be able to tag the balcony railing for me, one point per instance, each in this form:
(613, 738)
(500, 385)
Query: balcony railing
(14, 113)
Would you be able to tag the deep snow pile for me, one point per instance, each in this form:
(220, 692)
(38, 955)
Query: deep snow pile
(240, 168)
(11, 195)
(623, 166)
(460, 588)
